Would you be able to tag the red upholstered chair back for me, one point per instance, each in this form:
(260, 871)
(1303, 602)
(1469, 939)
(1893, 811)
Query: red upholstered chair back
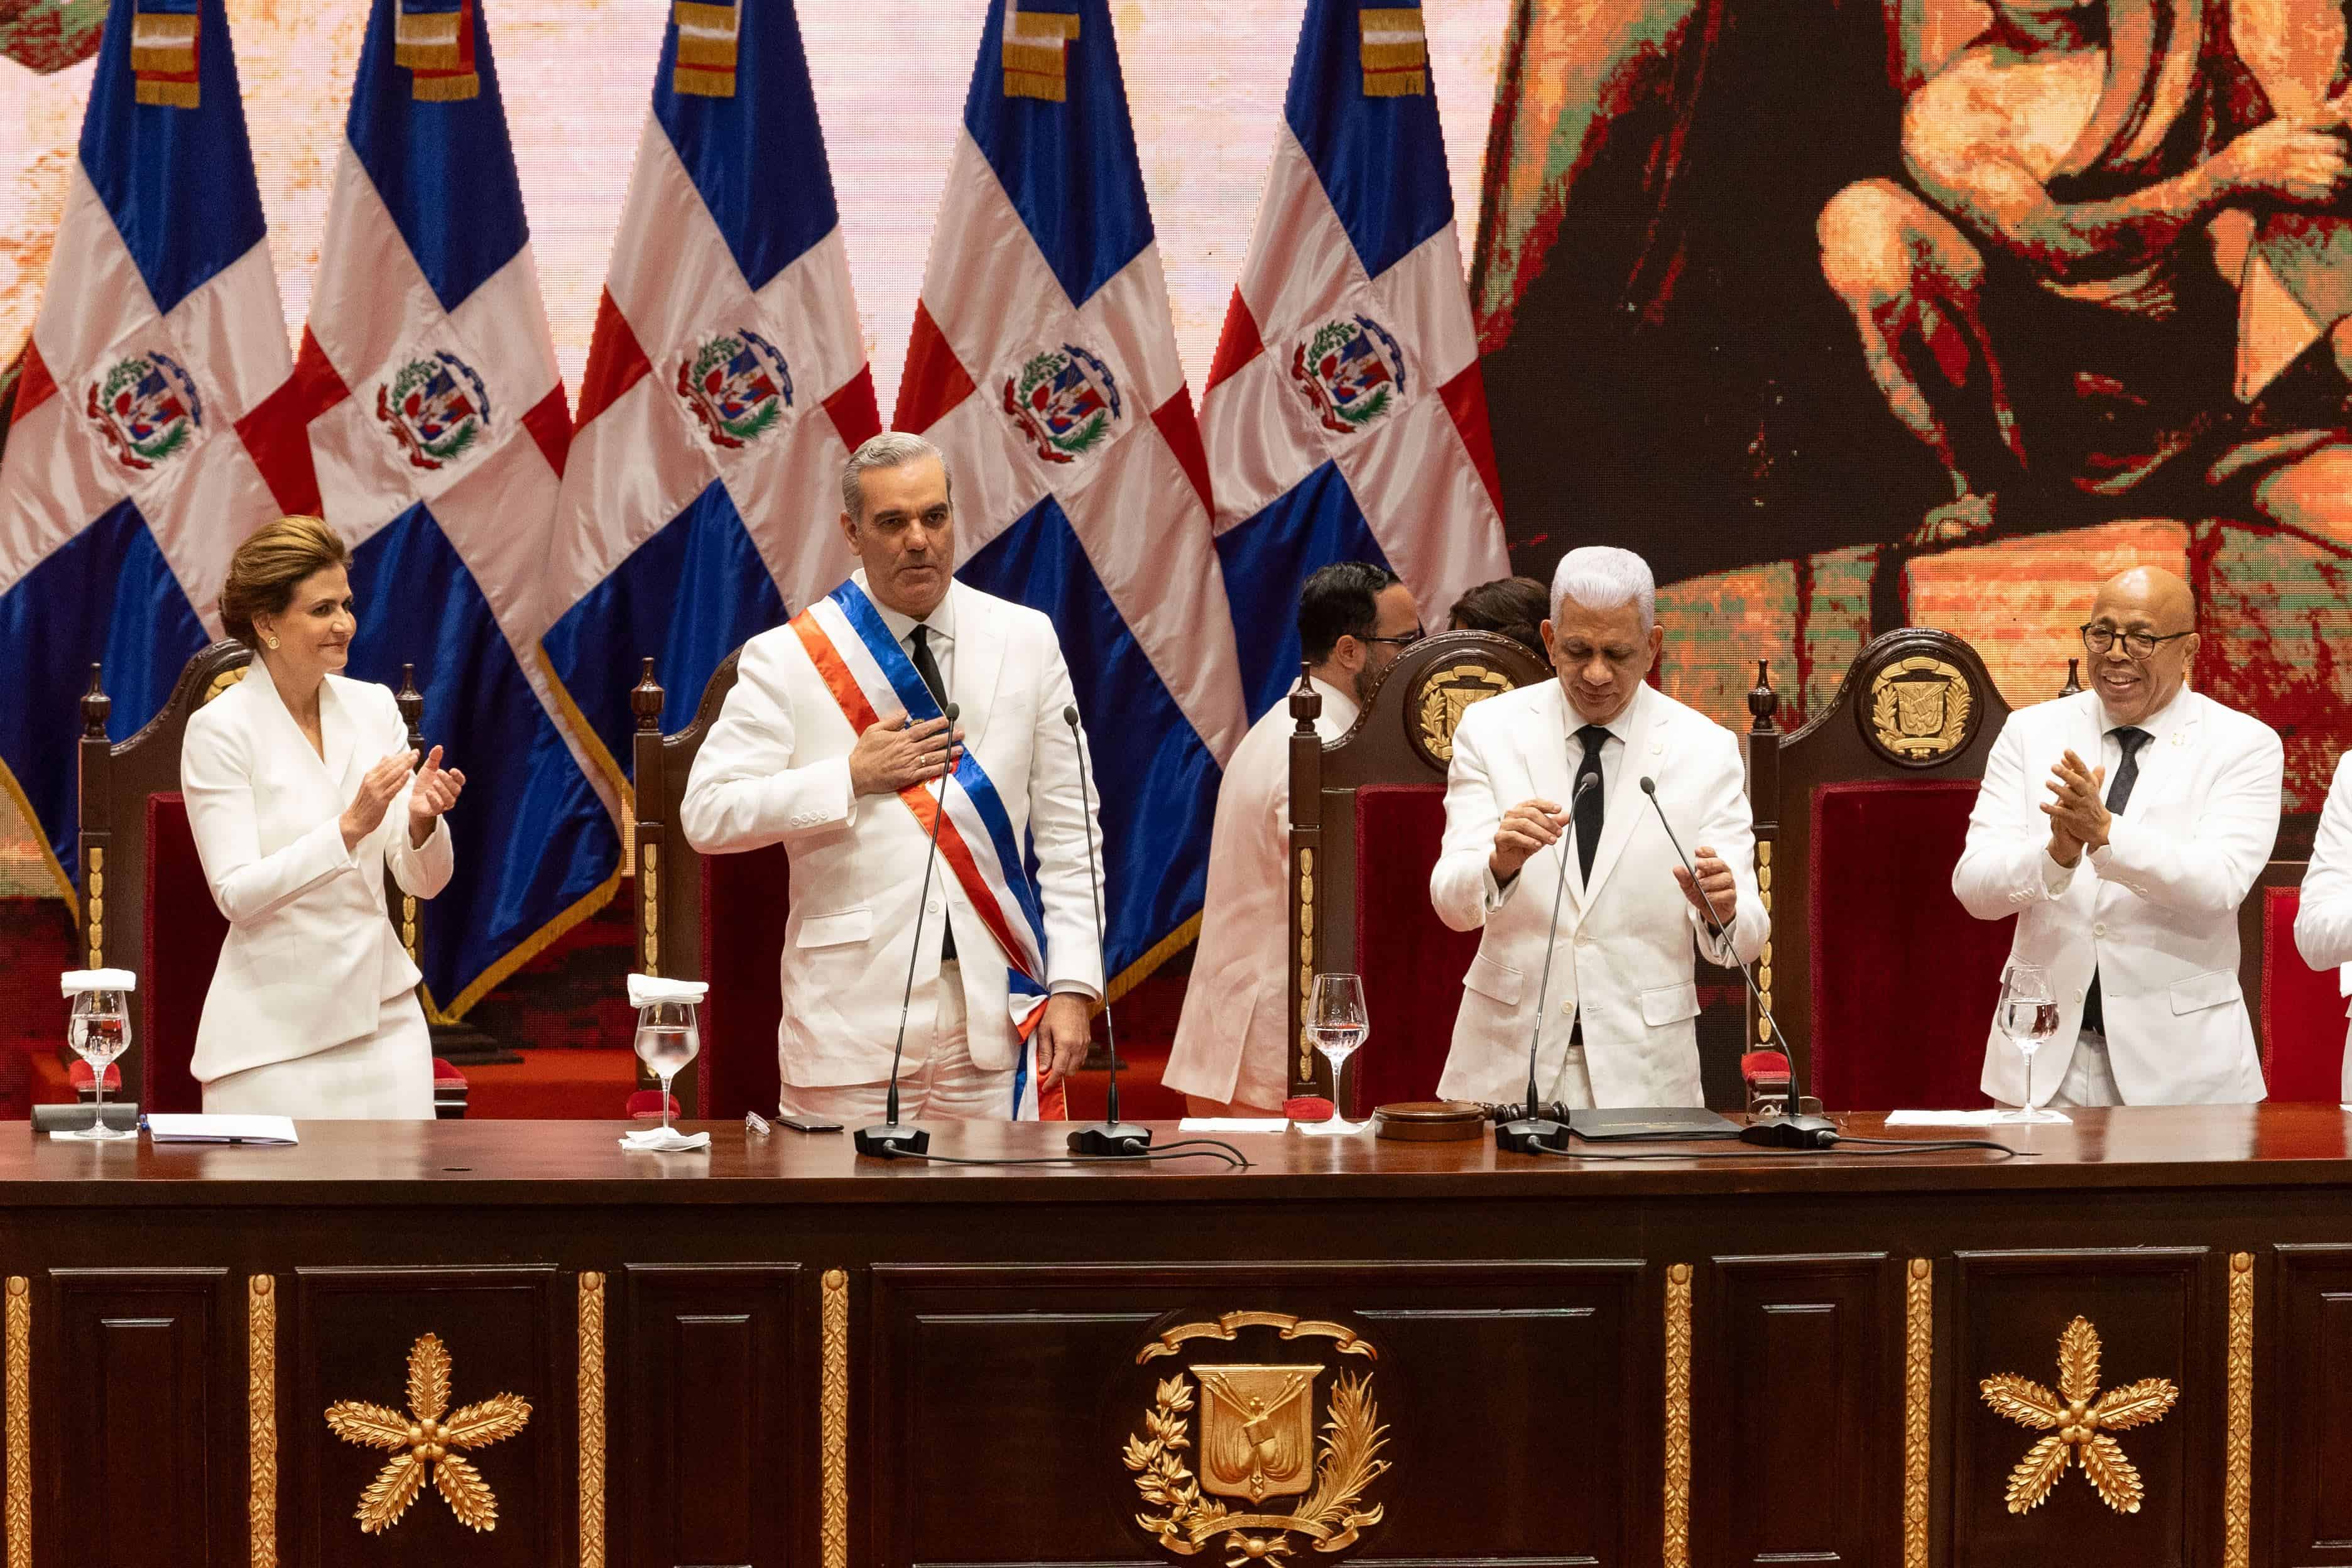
(1884, 984)
(136, 843)
(717, 919)
(1412, 962)
(185, 930)
(2298, 1011)
(1884, 927)
(1367, 814)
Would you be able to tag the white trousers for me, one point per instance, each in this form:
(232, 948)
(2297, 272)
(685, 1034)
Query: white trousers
(1573, 1086)
(945, 1087)
(2090, 1078)
(384, 1077)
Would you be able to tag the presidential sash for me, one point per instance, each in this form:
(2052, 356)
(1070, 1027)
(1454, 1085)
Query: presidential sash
(870, 674)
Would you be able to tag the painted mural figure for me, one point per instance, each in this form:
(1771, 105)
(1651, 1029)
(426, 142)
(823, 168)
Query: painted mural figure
(2106, 277)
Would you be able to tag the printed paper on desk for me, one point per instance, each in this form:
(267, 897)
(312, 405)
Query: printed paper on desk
(274, 1130)
(1234, 1124)
(1991, 1116)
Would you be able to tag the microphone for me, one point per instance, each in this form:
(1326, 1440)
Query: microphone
(1112, 1137)
(889, 1139)
(1532, 1131)
(1772, 1132)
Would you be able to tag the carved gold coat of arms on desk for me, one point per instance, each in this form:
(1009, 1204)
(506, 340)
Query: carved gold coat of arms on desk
(1253, 1432)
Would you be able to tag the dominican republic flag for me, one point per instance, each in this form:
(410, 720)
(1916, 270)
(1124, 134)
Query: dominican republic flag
(128, 481)
(1345, 417)
(426, 416)
(727, 384)
(1044, 365)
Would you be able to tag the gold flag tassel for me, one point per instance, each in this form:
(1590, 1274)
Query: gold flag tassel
(438, 46)
(706, 49)
(1036, 54)
(163, 58)
(1394, 50)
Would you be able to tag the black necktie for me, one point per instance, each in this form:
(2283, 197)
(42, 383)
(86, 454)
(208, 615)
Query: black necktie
(1588, 810)
(2119, 789)
(929, 668)
(926, 666)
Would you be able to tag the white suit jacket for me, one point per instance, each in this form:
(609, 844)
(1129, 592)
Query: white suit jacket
(1232, 1040)
(775, 770)
(2154, 913)
(1626, 944)
(310, 952)
(2323, 925)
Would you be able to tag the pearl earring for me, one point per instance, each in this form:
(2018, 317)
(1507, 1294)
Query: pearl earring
(272, 641)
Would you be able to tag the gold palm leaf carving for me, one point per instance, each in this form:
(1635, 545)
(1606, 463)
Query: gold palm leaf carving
(422, 1441)
(370, 1426)
(2078, 1420)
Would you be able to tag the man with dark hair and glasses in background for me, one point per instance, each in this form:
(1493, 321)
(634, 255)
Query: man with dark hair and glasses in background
(2123, 827)
(1232, 1051)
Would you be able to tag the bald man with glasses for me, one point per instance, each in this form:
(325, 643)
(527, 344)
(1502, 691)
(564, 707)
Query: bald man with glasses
(2123, 827)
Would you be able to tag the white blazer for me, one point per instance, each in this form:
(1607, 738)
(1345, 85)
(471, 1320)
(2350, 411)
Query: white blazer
(775, 770)
(2322, 923)
(1232, 1039)
(1626, 944)
(2154, 913)
(310, 952)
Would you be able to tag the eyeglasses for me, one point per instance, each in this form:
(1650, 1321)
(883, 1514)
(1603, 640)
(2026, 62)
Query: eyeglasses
(1407, 640)
(2099, 638)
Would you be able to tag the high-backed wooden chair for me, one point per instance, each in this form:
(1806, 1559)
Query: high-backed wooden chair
(146, 906)
(1882, 982)
(2298, 1011)
(1383, 784)
(717, 919)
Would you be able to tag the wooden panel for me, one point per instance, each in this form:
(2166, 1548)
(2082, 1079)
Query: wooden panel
(2305, 1352)
(1024, 1384)
(140, 1414)
(1797, 1410)
(2159, 1314)
(349, 1335)
(715, 1440)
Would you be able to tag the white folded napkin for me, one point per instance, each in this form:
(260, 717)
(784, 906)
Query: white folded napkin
(664, 1141)
(77, 981)
(645, 990)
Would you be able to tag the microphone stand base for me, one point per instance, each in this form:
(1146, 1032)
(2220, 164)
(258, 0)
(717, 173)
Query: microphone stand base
(1532, 1135)
(1790, 1132)
(1111, 1139)
(889, 1139)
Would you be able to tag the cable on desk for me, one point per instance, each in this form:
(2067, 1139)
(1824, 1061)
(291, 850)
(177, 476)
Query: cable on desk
(1185, 1149)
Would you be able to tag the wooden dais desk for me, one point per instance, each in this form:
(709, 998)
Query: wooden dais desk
(1385, 1352)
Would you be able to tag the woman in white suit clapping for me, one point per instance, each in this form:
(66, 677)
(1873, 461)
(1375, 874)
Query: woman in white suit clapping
(301, 791)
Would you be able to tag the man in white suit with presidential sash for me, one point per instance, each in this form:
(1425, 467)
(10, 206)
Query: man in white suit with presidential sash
(834, 743)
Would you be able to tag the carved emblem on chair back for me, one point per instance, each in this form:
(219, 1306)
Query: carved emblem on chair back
(222, 682)
(1439, 698)
(1920, 710)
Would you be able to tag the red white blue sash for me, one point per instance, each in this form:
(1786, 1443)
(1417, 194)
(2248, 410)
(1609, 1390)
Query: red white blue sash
(870, 674)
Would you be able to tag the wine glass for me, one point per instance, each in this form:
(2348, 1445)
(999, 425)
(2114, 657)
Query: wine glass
(1337, 1023)
(2028, 1013)
(99, 1030)
(667, 1040)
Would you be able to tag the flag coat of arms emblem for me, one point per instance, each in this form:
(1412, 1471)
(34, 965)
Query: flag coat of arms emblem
(1044, 365)
(726, 385)
(128, 481)
(426, 420)
(1345, 417)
